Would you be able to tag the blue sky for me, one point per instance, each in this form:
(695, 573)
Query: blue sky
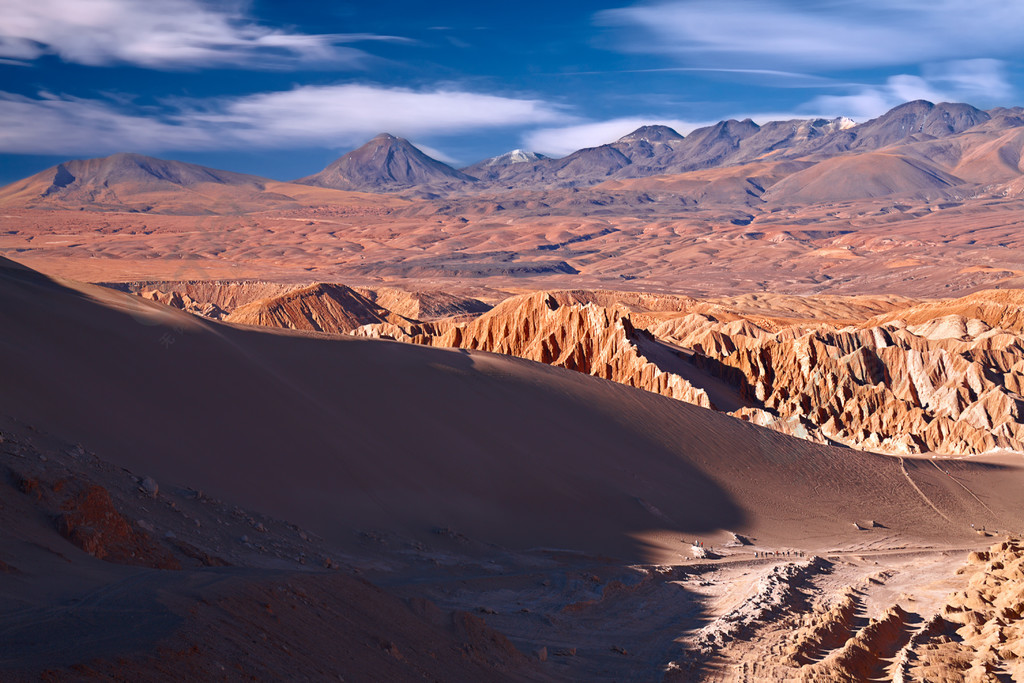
(281, 89)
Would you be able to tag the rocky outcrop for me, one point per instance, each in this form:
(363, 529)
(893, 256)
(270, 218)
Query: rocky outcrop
(865, 656)
(319, 307)
(776, 594)
(584, 337)
(90, 521)
(981, 633)
(822, 630)
(85, 514)
(184, 302)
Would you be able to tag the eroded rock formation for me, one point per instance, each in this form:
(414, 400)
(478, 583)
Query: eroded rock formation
(587, 338)
(319, 307)
(948, 384)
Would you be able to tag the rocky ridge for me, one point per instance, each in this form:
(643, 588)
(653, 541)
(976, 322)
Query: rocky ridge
(551, 329)
(983, 638)
(318, 307)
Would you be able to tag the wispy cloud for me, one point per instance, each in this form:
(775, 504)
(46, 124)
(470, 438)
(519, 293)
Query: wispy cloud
(328, 116)
(163, 34)
(762, 76)
(819, 35)
(968, 79)
(953, 81)
(51, 124)
(561, 140)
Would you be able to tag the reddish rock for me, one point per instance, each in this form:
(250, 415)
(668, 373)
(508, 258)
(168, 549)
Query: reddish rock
(90, 521)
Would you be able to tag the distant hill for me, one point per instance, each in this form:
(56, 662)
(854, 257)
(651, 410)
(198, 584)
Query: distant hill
(319, 308)
(860, 177)
(505, 164)
(133, 182)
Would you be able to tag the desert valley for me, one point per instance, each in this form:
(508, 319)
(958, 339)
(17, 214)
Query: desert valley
(745, 404)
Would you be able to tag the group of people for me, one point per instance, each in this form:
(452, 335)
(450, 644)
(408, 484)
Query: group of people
(778, 553)
(759, 554)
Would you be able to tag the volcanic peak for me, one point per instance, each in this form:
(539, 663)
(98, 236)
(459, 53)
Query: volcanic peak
(386, 163)
(655, 133)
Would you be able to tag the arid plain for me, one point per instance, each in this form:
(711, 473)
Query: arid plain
(742, 405)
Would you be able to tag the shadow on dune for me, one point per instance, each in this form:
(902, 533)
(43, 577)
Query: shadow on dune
(341, 435)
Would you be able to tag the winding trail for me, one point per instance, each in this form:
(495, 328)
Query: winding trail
(964, 487)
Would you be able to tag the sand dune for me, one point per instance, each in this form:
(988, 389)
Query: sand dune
(341, 434)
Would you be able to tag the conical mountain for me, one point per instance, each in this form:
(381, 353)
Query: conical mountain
(386, 163)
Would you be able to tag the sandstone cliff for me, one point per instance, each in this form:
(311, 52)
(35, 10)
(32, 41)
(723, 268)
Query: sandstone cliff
(914, 379)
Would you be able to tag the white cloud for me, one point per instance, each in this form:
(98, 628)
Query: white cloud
(346, 114)
(953, 81)
(820, 35)
(161, 34)
(561, 140)
(329, 116)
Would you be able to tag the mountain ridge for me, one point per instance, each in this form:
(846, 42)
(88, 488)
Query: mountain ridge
(946, 148)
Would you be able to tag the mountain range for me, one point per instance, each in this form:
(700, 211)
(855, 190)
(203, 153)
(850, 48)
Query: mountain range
(952, 150)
